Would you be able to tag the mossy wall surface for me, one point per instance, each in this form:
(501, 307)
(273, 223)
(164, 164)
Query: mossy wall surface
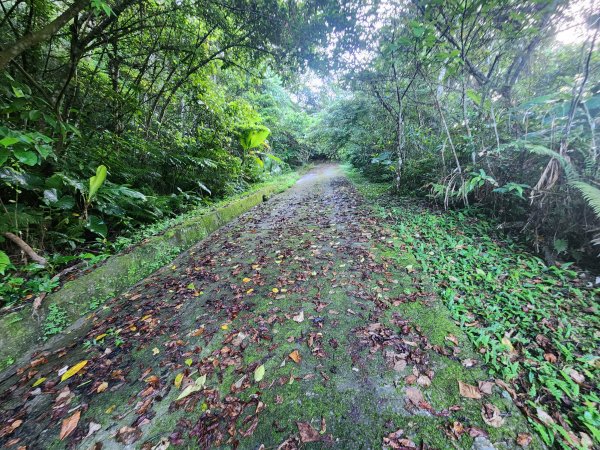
(21, 331)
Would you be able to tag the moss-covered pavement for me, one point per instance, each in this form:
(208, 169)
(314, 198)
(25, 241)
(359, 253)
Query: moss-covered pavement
(299, 325)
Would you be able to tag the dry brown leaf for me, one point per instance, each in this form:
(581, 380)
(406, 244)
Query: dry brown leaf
(307, 432)
(544, 417)
(486, 387)
(468, 391)
(69, 425)
(469, 362)
(424, 381)
(299, 317)
(400, 365)
(414, 395)
(452, 339)
(491, 415)
(128, 435)
(102, 387)
(295, 356)
(524, 439)
(576, 376)
(507, 388)
(94, 427)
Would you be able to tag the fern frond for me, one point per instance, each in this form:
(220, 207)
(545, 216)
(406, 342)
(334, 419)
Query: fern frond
(590, 193)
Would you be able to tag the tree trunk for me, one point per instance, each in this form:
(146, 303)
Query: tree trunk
(26, 42)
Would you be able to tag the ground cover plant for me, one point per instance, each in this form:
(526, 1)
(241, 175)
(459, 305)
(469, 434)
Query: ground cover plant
(536, 326)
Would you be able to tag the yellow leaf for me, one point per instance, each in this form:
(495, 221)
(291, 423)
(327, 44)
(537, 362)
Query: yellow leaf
(38, 382)
(102, 387)
(275, 290)
(249, 291)
(110, 409)
(188, 362)
(224, 326)
(155, 351)
(178, 380)
(73, 370)
(100, 337)
(246, 280)
(259, 373)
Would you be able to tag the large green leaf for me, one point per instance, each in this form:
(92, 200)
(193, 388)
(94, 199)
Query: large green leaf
(26, 157)
(96, 181)
(4, 153)
(254, 136)
(4, 262)
(96, 225)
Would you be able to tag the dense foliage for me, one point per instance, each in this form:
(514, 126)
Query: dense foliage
(162, 95)
(477, 103)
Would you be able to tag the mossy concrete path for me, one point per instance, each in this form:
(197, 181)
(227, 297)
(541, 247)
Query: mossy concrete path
(299, 325)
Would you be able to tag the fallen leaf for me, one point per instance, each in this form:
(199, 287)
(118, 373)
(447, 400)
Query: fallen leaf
(307, 432)
(576, 376)
(544, 417)
(38, 382)
(507, 388)
(73, 370)
(486, 387)
(153, 380)
(452, 339)
(189, 361)
(198, 332)
(424, 381)
(475, 432)
(400, 365)
(468, 391)
(457, 429)
(155, 351)
(550, 357)
(469, 362)
(128, 435)
(414, 395)
(491, 415)
(94, 427)
(259, 373)
(299, 317)
(178, 380)
(295, 356)
(102, 387)
(246, 280)
(69, 425)
(11, 428)
(524, 439)
(197, 386)
(506, 342)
